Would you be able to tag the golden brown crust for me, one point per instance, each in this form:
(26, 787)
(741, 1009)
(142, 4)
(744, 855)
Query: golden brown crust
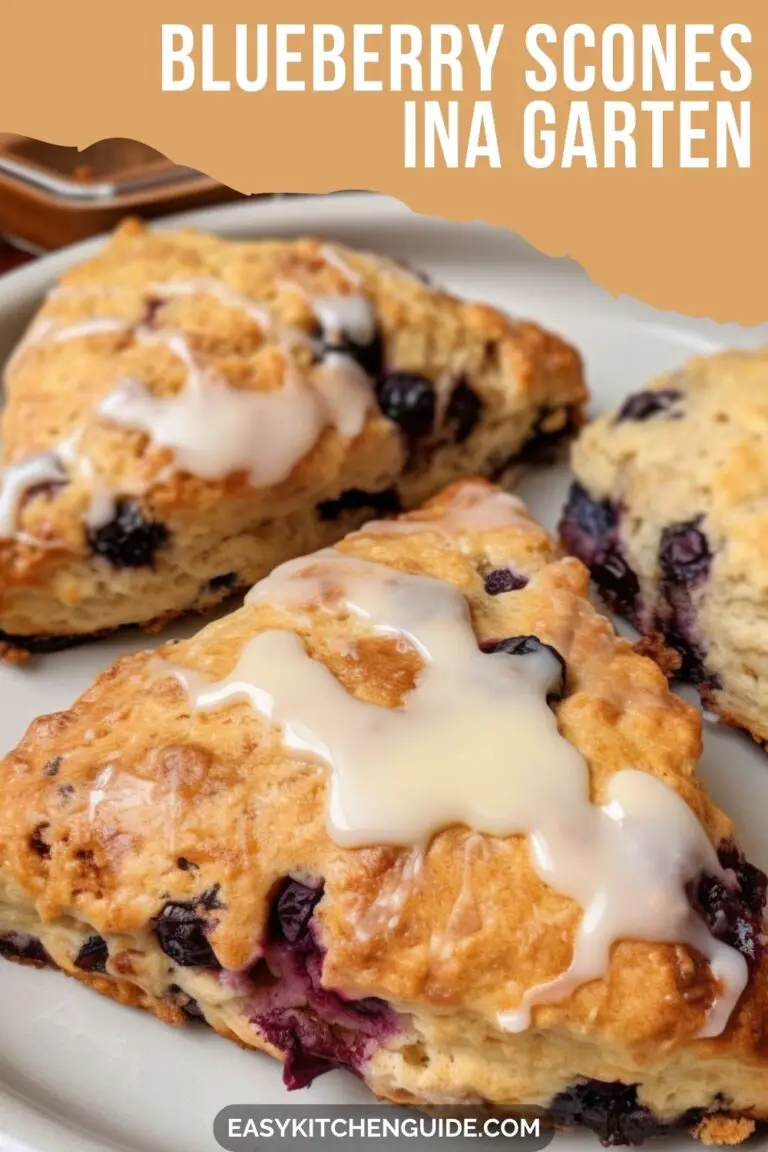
(141, 781)
(521, 374)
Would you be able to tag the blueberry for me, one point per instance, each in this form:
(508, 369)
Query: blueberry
(384, 503)
(643, 405)
(93, 955)
(192, 1010)
(152, 306)
(612, 1111)
(526, 646)
(51, 768)
(181, 933)
(226, 580)
(27, 949)
(291, 911)
(596, 518)
(677, 623)
(590, 530)
(463, 412)
(37, 843)
(188, 1006)
(735, 916)
(753, 883)
(129, 540)
(369, 356)
(618, 583)
(500, 580)
(684, 555)
(409, 400)
(186, 865)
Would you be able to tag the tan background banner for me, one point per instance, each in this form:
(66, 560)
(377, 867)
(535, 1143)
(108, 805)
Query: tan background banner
(689, 238)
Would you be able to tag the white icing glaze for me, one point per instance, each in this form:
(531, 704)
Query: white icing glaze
(16, 480)
(476, 744)
(101, 502)
(214, 430)
(48, 329)
(346, 392)
(474, 508)
(333, 257)
(341, 316)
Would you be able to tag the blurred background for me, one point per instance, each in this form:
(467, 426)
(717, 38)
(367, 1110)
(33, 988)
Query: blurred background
(51, 196)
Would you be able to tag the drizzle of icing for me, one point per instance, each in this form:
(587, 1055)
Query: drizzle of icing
(214, 430)
(101, 505)
(345, 316)
(476, 744)
(474, 508)
(17, 480)
(48, 330)
(332, 256)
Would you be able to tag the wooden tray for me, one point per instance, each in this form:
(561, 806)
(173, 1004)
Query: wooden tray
(51, 196)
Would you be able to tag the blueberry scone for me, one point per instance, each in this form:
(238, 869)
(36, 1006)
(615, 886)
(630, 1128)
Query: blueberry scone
(670, 513)
(413, 811)
(186, 412)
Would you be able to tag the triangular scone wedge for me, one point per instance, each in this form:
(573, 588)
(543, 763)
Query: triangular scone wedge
(186, 412)
(687, 571)
(176, 854)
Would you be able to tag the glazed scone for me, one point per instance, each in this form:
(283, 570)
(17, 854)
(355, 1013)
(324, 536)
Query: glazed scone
(354, 824)
(186, 412)
(670, 513)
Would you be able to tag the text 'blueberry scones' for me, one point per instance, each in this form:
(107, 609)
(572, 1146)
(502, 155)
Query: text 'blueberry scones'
(417, 812)
(186, 412)
(670, 513)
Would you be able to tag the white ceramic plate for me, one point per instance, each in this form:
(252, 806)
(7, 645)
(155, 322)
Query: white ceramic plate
(81, 1074)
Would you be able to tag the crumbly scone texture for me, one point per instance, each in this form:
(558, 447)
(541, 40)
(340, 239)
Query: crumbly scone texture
(132, 799)
(681, 475)
(495, 385)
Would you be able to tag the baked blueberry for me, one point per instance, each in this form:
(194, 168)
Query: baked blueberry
(129, 540)
(37, 841)
(500, 580)
(734, 911)
(52, 766)
(684, 555)
(152, 306)
(612, 1111)
(643, 405)
(190, 1008)
(27, 949)
(384, 503)
(525, 646)
(93, 955)
(590, 530)
(463, 412)
(291, 911)
(369, 356)
(226, 580)
(583, 514)
(315, 1028)
(617, 581)
(181, 933)
(409, 400)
